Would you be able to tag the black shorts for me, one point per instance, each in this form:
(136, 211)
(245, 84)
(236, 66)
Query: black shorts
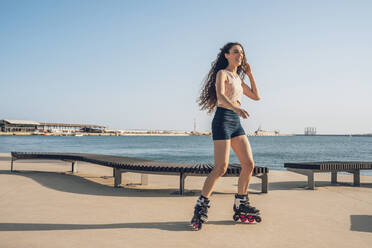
(226, 124)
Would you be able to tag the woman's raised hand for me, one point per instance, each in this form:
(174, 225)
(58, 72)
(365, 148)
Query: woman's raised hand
(247, 68)
(241, 112)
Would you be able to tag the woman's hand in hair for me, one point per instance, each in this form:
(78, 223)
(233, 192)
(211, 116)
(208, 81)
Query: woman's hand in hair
(247, 68)
(241, 112)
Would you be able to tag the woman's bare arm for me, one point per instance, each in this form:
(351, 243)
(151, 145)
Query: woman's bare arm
(251, 92)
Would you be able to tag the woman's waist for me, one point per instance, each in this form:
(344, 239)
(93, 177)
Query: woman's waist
(235, 104)
(225, 114)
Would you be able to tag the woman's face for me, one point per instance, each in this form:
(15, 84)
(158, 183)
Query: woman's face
(235, 55)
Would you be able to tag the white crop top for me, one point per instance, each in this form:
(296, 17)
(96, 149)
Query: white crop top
(233, 87)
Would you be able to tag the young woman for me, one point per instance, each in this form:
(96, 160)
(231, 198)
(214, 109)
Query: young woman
(222, 91)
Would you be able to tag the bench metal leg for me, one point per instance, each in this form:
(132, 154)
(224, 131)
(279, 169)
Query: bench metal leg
(117, 181)
(310, 180)
(308, 173)
(182, 183)
(11, 166)
(356, 177)
(264, 183)
(73, 167)
(144, 179)
(334, 177)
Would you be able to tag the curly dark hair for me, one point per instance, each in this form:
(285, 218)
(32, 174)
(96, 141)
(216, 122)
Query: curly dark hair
(208, 97)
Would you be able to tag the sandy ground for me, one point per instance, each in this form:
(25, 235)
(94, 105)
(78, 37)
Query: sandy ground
(44, 205)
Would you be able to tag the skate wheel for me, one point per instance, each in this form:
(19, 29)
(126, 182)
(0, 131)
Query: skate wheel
(243, 218)
(196, 225)
(258, 219)
(236, 217)
(250, 219)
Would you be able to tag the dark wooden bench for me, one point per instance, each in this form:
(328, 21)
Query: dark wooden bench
(122, 164)
(309, 168)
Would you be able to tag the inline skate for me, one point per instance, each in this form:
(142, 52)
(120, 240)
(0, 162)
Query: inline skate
(200, 213)
(244, 211)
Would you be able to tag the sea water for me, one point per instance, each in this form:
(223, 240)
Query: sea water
(271, 152)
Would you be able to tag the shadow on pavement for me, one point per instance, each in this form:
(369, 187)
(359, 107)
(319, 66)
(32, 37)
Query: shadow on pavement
(73, 183)
(169, 226)
(361, 223)
(301, 185)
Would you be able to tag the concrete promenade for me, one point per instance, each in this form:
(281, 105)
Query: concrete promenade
(44, 205)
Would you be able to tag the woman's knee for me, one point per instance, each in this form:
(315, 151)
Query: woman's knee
(249, 166)
(220, 170)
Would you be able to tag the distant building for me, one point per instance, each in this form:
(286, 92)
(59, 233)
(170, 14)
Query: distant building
(18, 126)
(310, 131)
(66, 127)
(260, 132)
(33, 126)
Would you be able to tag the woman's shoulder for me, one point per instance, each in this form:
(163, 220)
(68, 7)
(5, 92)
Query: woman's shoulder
(221, 71)
(221, 76)
(226, 74)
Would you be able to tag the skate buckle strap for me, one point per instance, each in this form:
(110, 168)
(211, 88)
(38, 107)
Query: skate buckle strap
(202, 203)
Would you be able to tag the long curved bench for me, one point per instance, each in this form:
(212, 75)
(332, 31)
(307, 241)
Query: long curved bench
(122, 164)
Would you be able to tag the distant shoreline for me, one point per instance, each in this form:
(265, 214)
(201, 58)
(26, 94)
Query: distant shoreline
(164, 134)
(98, 134)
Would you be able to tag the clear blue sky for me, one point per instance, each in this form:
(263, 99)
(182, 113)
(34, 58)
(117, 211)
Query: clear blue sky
(140, 64)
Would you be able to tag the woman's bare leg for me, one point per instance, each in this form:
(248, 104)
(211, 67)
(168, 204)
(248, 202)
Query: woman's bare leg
(221, 162)
(243, 151)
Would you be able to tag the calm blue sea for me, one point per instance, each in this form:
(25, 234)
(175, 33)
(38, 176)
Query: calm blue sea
(271, 152)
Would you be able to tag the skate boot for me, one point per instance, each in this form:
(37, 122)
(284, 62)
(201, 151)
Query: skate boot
(244, 211)
(200, 213)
